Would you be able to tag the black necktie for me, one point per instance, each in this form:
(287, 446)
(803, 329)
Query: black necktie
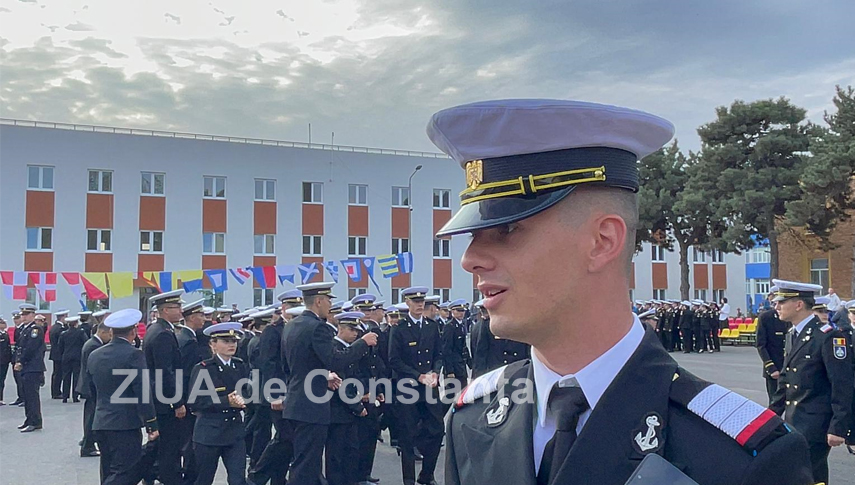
(566, 404)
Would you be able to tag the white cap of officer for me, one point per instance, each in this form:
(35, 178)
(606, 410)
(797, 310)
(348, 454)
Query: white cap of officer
(125, 318)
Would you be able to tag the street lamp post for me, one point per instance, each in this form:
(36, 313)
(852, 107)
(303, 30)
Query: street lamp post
(410, 208)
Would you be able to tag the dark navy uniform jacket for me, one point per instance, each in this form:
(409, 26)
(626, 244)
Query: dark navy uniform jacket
(414, 351)
(85, 387)
(5, 348)
(191, 351)
(109, 415)
(453, 348)
(31, 349)
(492, 352)
(340, 411)
(713, 435)
(771, 332)
(71, 343)
(161, 353)
(217, 422)
(309, 347)
(815, 390)
(270, 354)
(53, 336)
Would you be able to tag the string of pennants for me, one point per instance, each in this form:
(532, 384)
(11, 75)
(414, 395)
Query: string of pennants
(98, 286)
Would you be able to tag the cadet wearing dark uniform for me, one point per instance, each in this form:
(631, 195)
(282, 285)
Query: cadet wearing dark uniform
(257, 414)
(686, 332)
(770, 344)
(815, 389)
(454, 346)
(162, 356)
(550, 185)
(309, 349)
(492, 351)
(219, 429)
(30, 362)
(5, 357)
(342, 446)
(118, 425)
(100, 336)
(192, 351)
(86, 322)
(415, 354)
(70, 347)
(55, 356)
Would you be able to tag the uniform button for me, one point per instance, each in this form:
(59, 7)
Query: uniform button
(795, 402)
(794, 369)
(796, 386)
(788, 385)
(428, 362)
(788, 403)
(515, 354)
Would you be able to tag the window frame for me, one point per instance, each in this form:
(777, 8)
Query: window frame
(99, 240)
(101, 176)
(358, 190)
(214, 191)
(40, 233)
(262, 296)
(659, 293)
(316, 243)
(268, 243)
(354, 292)
(214, 237)
(701, 294)
(440, 246)
(151, 242)
(153, 184)
(657, 255)
(698, 255)
(265, 190)
(397, 196)
(212, 299)
(444, 294)
(41, 177)
(353, 246)
(401, 241)
(396, 295)
(313, 194)
(443, 194)
(717, 256)
(34, 298)
(823, 274)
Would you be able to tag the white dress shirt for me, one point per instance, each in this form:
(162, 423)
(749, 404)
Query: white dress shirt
(834, 303)
(725, 312)
(227, 363)
(801, 325)
(594, 379)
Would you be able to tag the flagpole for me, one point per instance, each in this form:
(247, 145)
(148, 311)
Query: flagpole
(410, 209)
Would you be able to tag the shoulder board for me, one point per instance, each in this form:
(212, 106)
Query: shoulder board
(487, 384)
(826, 328)
(237, 360)
(748, 423)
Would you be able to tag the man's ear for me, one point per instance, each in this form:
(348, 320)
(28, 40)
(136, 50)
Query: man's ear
(609, 232)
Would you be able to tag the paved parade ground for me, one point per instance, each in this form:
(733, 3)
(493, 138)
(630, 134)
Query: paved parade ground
(51, 456)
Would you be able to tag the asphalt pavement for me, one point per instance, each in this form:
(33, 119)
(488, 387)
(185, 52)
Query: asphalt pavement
(51, 456)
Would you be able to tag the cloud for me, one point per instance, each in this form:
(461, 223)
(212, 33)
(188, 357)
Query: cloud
(173, 18)
(79, 27)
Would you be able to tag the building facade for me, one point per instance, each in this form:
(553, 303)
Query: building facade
(98, 199)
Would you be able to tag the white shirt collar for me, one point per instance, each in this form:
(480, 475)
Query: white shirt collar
(227, 363)
(594, 378)
(342, 341)
(417, 321)
(801, 326)
(99, 338)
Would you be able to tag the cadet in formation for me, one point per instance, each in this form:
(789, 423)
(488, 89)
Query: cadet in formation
(30, 364)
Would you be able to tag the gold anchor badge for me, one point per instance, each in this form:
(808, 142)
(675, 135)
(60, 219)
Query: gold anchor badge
(474, 173)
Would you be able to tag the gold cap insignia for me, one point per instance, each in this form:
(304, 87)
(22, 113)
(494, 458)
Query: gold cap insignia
(474, 173)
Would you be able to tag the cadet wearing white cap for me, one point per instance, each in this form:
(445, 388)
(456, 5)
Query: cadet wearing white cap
(70, 349)
(162, 356)
(820, 308)
(551, 192)
(55, 356)
(30, 364)
(308, 349)
(86, 321)
(455, 354)
(219, 429)
(117, 424)
(815, 389)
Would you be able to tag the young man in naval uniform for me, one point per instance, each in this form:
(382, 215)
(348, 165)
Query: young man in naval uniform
(551, 206)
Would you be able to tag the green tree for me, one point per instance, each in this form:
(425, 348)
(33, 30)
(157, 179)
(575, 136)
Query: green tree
(752, 158)
(665, 217)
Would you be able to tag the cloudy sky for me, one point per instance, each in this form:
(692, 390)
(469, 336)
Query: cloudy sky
(373, 71)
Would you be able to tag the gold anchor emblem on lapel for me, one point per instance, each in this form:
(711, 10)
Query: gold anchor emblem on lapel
(474, 173)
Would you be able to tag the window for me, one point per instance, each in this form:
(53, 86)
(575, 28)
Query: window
(40, 177)
(761, 287)
(658, 255)
(215, 188)
(353, 292)
(400, 197)
(99, 240)
(819, 273)
(357, 194)
(100, 181)
(701, 295)
(262, 297)
(401, 245)
(658, 294)
(759, 255)
(152, 183)
(441, 198)
(211, 299)
(716, 256)
(698, 255)
(95, 305)
(357, 246)
(313, 193)
(39, 238)
(718, 295)
(151, 241)
(312, 246)
(214, 243)
(33, 298)
(265, 189)
(444, 293)
(476, 295)
(396, 296)
(441, 248)
(265, 244)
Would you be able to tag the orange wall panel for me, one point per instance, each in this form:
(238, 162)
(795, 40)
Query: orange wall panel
(401, 281)
(152, 213)
(400, 222)
(440, 217)
(214, 215)
(99, 262)
(99, 211)
(264, 218)
(660, 275)
(719, 276)
(357, 220)
(363, 283)
(442, 273)
(702, 276)
(150, 262)
(38, 261)
(313, 219)
(320, 276)
(40, 209)
(213, 262)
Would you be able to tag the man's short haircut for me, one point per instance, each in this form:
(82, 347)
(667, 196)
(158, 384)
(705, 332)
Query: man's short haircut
(310, 300)
(123, 332)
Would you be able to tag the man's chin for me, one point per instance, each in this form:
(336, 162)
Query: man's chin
(507, 328)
